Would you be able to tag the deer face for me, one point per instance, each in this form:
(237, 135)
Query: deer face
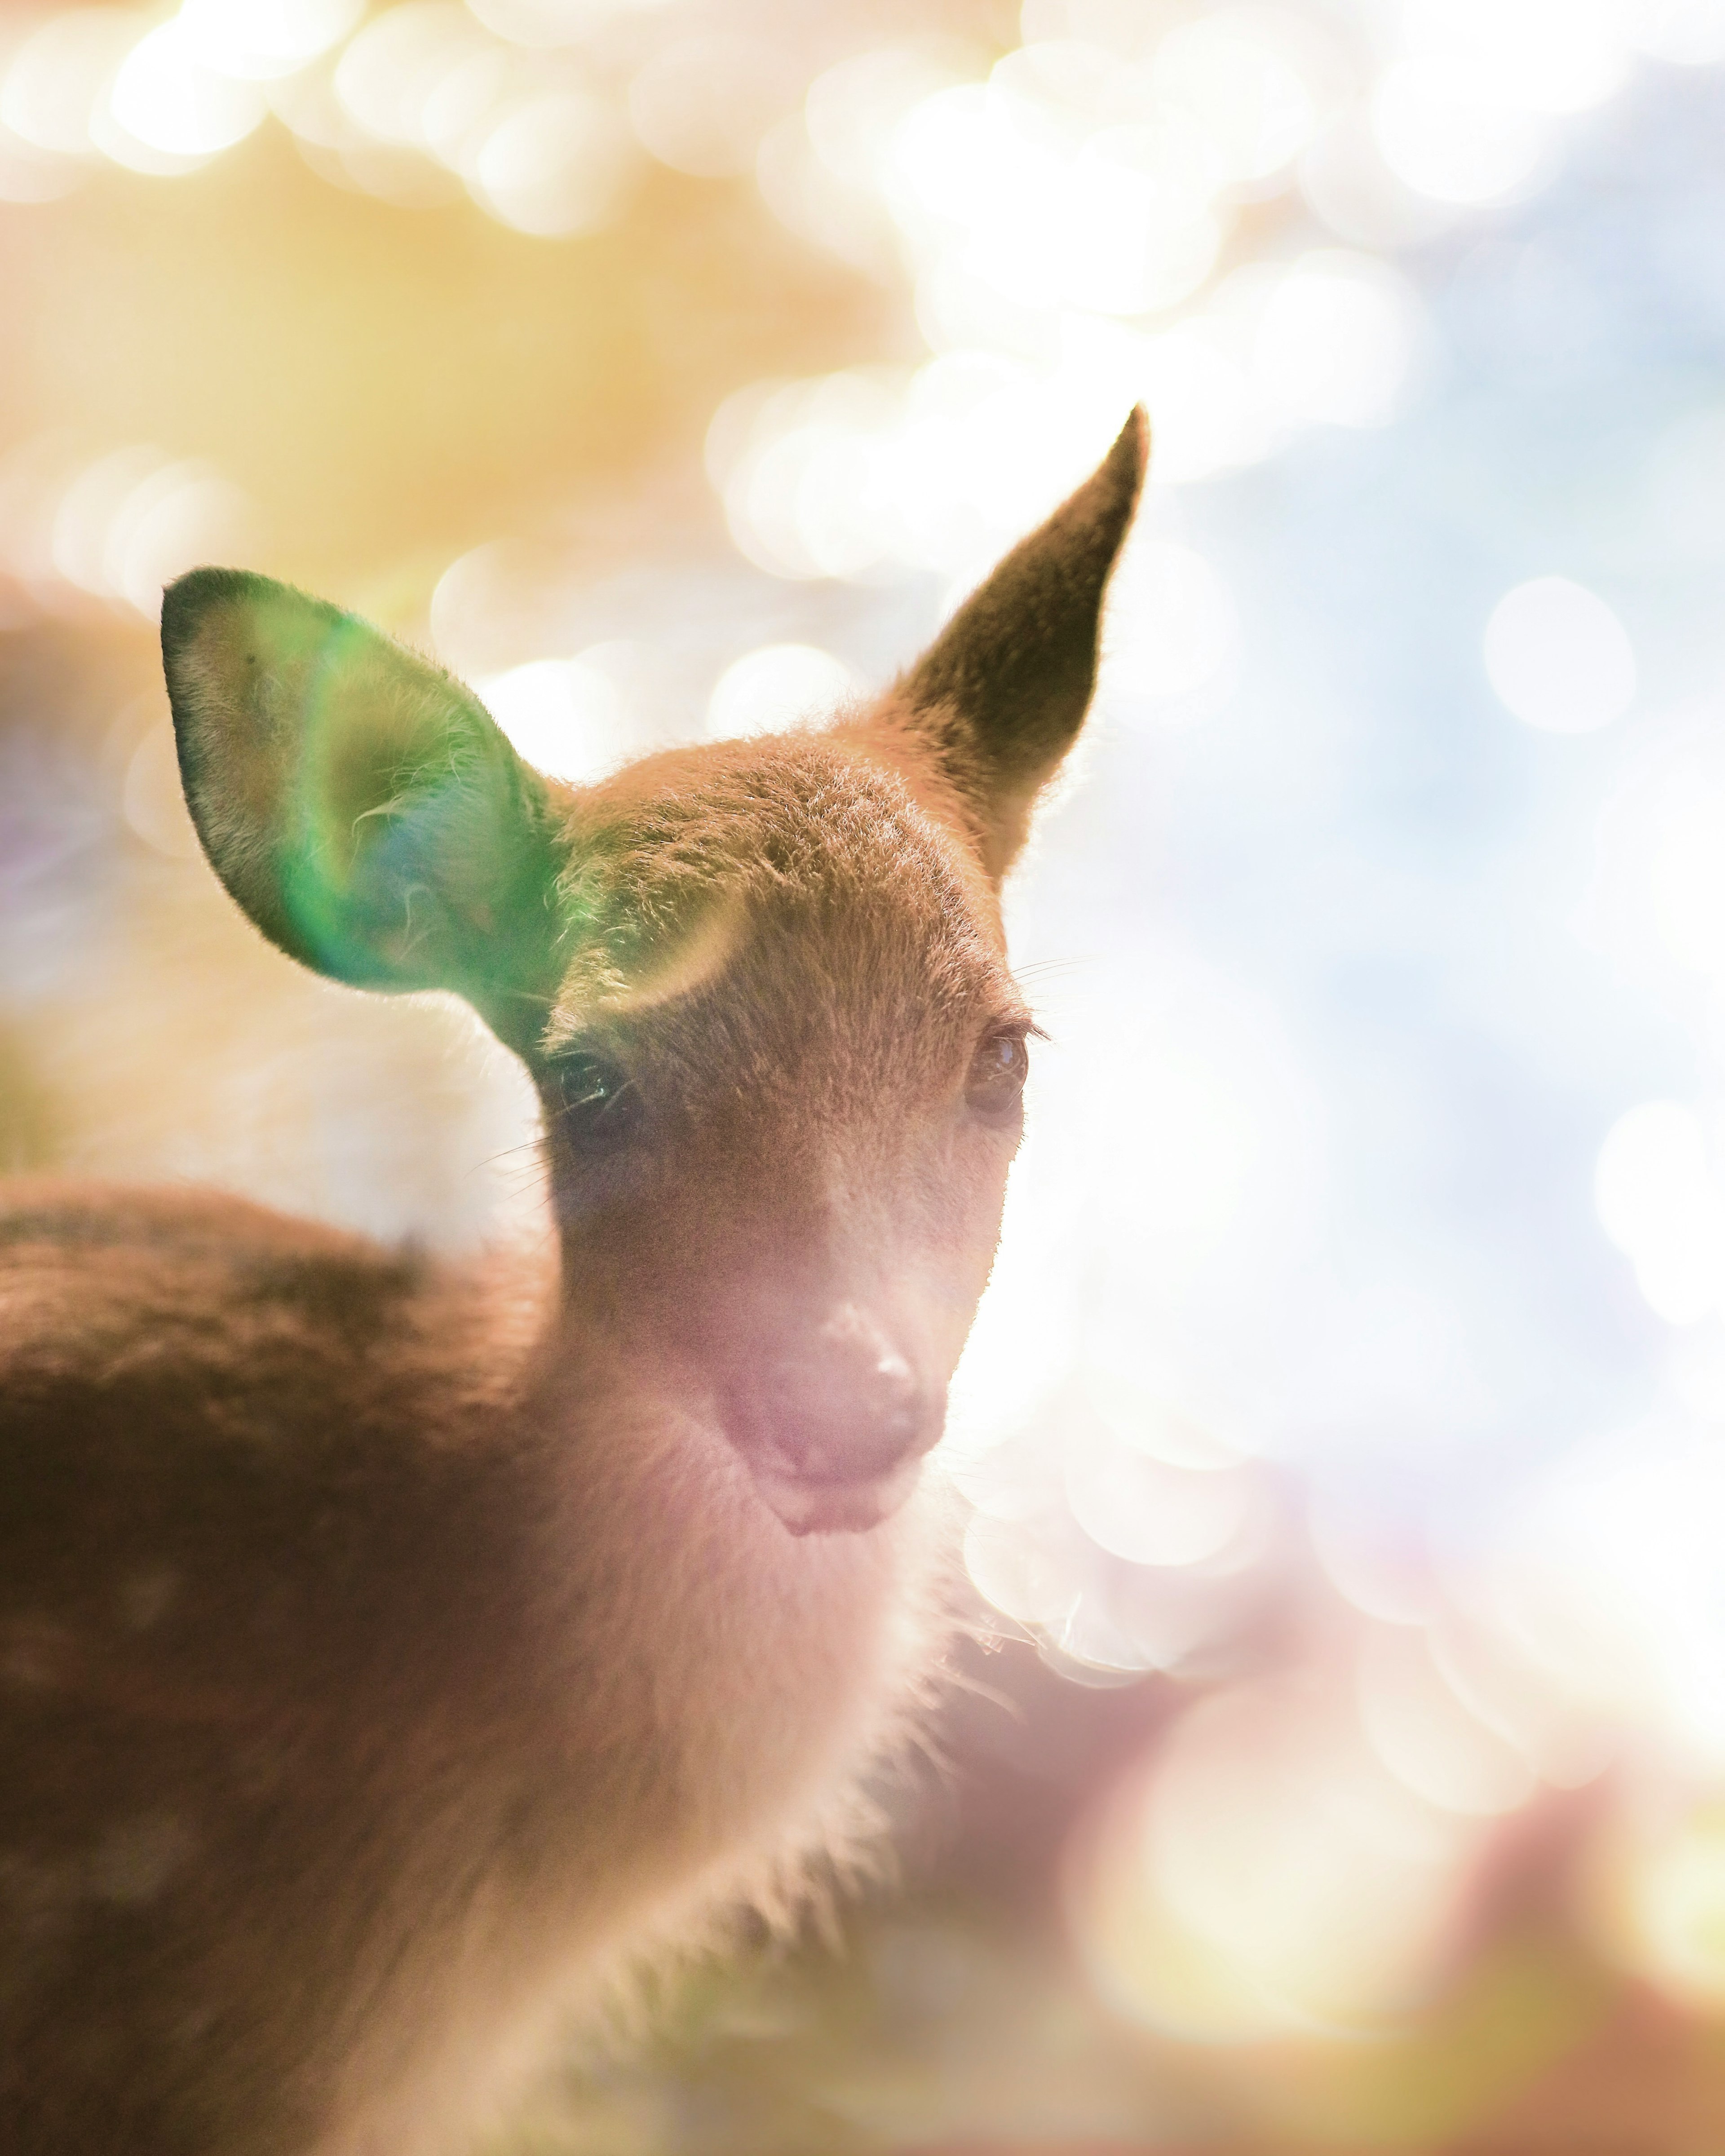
(760, 986)
(779, 1127)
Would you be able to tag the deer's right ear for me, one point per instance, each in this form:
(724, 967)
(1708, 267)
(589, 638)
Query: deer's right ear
(360, 805)
(1001, 693)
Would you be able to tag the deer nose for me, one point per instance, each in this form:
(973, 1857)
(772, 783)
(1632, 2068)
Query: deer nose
(832, 1428)
(846, 1407)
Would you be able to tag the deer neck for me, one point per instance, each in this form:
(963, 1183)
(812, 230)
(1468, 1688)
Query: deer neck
(752, 1679)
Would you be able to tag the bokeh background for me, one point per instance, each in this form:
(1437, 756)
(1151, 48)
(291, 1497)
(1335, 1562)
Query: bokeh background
(1341, 1759)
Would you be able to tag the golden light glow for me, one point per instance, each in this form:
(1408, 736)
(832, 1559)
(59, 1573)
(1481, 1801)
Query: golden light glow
(779, 686)
(1265, 1878)
(167, 97)
(115, 528)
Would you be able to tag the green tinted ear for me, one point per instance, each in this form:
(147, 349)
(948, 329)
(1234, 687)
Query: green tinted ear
(360, 806)
(1004, 689)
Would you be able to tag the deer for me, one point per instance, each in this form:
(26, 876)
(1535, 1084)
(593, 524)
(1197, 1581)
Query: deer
(393, 1652)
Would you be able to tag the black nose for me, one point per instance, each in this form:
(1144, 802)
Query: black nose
(842, 1404)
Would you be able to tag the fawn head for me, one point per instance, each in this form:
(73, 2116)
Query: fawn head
(760, 985)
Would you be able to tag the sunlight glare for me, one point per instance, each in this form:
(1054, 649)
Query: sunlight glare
(701, 105)
(168, 97)
(398, 61)
(1235, 74)
(554, 166)
(1665, 1902)
(1660, 1201)
(563, 717)
(56, 77)
(1419, 1727)
(1434, 135)
(1547, 56)
(1558, 657)
(258, 40)
(1262, 1876)
(1335, 339)
(1686, 874)
(780, 685)
(1141, 1508)
(1687, 32)
(1171, 627)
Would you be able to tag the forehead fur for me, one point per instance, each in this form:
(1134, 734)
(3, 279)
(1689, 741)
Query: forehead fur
(843, 846)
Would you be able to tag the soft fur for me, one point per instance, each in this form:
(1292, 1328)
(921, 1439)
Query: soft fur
(387, 1651)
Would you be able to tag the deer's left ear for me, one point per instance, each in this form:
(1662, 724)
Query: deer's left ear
(1002, 690)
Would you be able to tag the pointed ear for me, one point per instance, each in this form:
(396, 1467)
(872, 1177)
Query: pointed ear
(1002, 691)
(360, 805)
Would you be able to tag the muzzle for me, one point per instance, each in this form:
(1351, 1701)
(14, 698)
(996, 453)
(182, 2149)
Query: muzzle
(832, 1430)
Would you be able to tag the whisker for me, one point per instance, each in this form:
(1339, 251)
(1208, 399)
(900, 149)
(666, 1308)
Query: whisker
(1052, 969)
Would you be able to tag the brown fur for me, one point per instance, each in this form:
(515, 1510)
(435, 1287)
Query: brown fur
(388, 1651)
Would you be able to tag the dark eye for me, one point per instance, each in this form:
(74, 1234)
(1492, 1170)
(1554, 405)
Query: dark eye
(998, 1072)
(595, 1102)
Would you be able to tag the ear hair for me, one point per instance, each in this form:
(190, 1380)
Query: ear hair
(1002, 690)
(360, 805)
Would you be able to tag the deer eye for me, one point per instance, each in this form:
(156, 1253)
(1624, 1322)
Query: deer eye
(998, 1072)
(596, 1103)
